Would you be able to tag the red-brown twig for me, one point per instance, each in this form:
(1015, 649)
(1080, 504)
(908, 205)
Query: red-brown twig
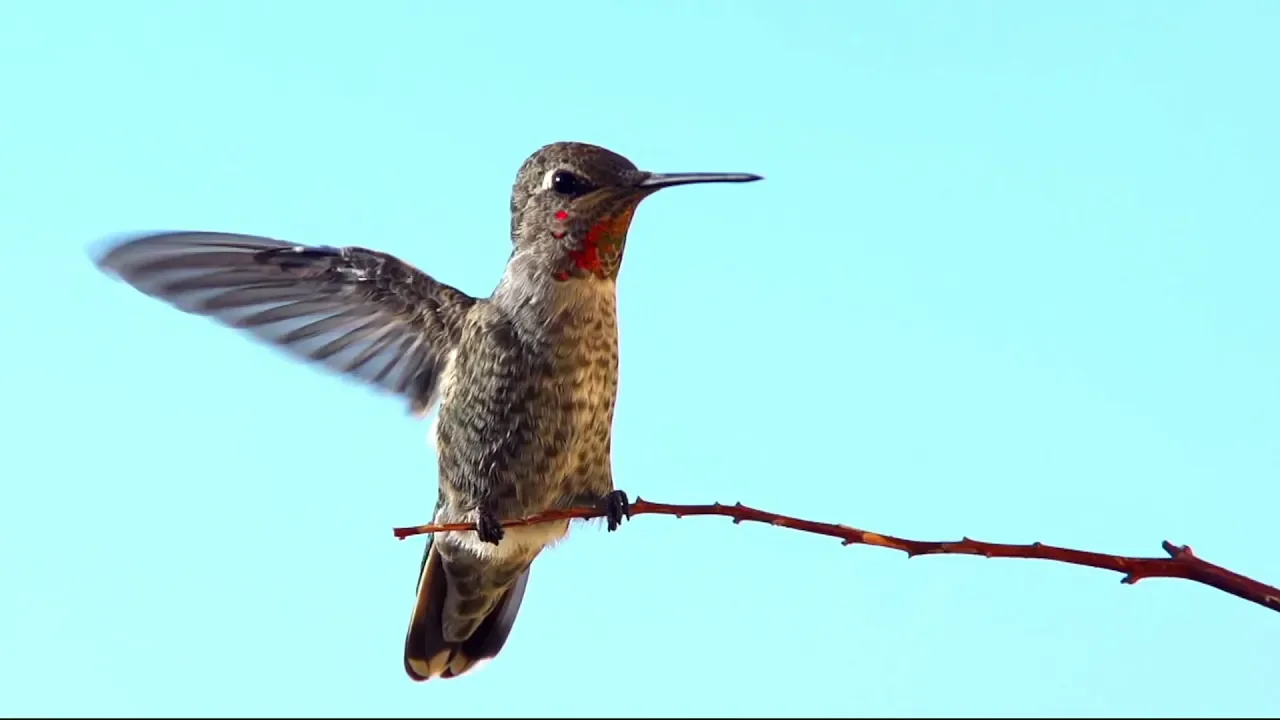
(1181, 563)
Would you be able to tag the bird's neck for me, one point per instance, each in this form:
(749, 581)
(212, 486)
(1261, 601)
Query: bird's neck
(536, 299)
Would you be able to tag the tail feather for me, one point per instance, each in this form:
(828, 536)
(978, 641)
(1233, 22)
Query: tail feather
(427, 654)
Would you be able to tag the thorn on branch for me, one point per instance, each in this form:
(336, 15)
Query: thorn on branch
(1176, 551)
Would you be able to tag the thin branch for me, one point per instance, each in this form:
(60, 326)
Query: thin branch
(1181, 563)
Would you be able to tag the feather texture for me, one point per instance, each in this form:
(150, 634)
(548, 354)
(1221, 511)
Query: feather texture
(355, 311)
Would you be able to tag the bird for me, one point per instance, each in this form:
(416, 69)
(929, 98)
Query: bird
(523, 381)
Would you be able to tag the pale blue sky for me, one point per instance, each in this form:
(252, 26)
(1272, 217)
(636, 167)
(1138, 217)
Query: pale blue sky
(1012, 274)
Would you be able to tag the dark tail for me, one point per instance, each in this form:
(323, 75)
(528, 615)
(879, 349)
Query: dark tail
(426, 653)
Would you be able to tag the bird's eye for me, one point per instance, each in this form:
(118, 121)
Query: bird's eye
(566, 183)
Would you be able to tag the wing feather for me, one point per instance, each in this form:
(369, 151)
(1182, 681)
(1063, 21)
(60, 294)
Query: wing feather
(355, 311)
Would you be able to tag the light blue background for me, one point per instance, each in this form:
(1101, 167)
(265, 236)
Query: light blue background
(1012, 274)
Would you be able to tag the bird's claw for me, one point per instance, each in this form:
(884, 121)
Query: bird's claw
(616, 507)
(488, 528)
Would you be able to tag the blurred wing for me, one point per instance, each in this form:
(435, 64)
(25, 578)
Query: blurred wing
(356, 311)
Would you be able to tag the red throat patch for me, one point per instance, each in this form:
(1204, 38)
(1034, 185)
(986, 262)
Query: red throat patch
(603, 239)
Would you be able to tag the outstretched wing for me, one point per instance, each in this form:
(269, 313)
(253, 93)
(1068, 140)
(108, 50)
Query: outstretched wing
(356, 311)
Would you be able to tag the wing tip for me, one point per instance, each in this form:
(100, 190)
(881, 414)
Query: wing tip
(105, 251)
(108, 252)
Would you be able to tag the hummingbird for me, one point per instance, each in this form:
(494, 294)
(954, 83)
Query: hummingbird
(523, 381)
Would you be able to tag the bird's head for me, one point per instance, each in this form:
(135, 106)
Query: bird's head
(573, 203)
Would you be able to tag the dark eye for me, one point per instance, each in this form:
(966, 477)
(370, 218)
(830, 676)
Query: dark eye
(566, 183)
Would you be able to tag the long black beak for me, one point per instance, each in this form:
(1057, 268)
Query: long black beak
(657, 181)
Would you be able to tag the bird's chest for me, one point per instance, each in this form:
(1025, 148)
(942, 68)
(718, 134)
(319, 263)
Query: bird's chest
(583, 382)
(533, 402)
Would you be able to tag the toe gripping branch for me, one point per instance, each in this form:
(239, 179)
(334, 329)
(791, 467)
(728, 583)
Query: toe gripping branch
(614, 508)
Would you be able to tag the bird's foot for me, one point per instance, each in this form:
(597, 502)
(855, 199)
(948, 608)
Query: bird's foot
(488, 527)
(616, 507)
